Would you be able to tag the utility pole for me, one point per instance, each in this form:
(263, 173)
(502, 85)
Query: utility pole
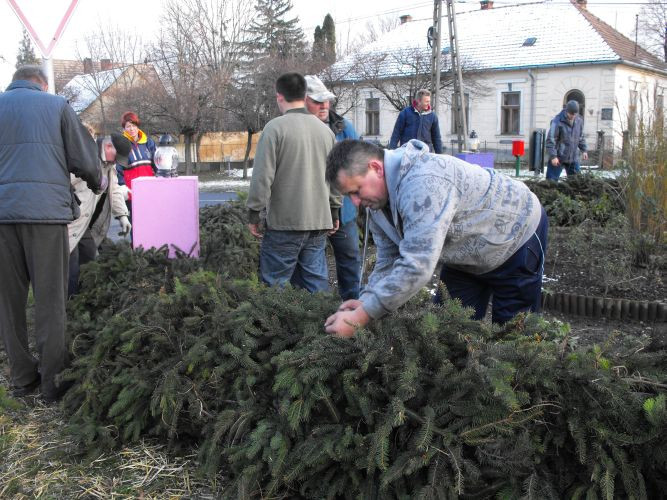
(435, 38)
(459, 98)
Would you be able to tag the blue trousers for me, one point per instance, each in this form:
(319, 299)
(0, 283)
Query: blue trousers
(553, 173)
(296, 257)
(345, 244)
(516, 285)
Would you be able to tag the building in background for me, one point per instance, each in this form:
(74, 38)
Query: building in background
(521, 64)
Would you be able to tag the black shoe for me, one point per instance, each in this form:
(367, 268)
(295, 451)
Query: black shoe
(58, 393)
(19, 392)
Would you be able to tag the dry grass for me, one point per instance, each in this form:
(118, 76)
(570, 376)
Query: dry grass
(39, 460)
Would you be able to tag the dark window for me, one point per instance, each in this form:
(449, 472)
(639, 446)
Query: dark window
(510, 109)
(455, 115)
(373, 116)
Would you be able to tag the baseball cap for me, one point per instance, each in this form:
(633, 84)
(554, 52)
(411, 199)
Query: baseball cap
(316, 90)
(123, 148)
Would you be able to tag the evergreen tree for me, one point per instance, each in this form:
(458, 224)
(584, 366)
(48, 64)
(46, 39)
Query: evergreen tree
(324, 44)
(329, 38)
(26, 54)
(272, 34)
(318, 43)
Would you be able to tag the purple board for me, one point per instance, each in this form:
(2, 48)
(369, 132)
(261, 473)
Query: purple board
(482, 159)
(165, 211)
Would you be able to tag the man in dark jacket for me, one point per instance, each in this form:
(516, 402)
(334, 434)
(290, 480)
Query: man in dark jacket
(418, 122)
(345, 241)
(564, 141)
(41, 142)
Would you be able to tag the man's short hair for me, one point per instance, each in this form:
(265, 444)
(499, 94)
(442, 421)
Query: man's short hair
(422, 93)
(292, 86)
(31, 72)
(351, 156)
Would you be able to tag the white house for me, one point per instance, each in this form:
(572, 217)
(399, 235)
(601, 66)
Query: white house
(528, 60)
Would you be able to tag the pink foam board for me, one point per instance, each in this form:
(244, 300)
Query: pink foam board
(165, 211)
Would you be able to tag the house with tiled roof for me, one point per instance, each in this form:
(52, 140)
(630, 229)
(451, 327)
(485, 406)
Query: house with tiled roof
(96, 95)
(522, 63)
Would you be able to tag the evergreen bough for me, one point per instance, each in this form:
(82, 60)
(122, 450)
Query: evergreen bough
(426, 403)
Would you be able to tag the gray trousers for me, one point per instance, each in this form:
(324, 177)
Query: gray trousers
(37, 254)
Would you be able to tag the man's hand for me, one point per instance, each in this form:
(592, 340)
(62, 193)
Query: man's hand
(336, 226)
(350, 305)
(125, 226)
(555, 162)
(347, 320)
(255, 230)
(584, 155)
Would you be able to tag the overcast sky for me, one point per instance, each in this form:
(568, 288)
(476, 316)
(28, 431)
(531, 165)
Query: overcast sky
(350, 17)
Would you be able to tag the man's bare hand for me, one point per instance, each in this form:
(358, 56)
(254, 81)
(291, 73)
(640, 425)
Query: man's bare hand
(335, 228)
(584, 155)
(255, 230)
(345, 322)
(555, 162)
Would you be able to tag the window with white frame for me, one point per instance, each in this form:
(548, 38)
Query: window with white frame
(632, 112)
(510, 112)
(373, 116)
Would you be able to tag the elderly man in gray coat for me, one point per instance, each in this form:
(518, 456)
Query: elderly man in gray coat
(41, 142)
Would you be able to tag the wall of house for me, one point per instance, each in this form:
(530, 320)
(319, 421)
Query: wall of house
(605, 89)
(551, 85)
(648, 86)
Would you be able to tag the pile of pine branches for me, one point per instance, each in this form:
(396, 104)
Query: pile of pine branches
(425, 403)
(580, 197)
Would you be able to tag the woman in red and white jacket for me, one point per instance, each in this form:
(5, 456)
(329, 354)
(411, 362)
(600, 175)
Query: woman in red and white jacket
(140, 160)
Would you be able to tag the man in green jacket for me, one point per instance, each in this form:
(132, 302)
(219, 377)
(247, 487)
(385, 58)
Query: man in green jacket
(289, 182)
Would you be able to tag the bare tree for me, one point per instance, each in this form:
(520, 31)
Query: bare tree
(275, 45)
(373, 30)
(108, 54)
(399, 73)
(653, 27)
(196, 53)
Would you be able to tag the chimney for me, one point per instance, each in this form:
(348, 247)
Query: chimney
(405, 18)
(486, 4)
(87, 65)
(105, 64)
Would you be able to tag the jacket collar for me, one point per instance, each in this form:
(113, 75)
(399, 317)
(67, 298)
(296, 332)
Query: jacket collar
(24, 84)
(303, 111)
(141, 139)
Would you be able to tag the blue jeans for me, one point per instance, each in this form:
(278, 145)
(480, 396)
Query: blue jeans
(553, 173)
(297, 257)
(516, 285)
(345, 244)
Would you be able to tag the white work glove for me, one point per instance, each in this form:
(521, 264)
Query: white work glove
(125, 191)
(125, 226)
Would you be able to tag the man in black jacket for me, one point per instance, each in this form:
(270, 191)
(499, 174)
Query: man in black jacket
(41, 142)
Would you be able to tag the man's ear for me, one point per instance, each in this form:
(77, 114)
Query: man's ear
(377, 166)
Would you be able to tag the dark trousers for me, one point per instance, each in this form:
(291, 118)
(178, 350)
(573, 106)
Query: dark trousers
(83, 253)
(345, 244)
(37, 254)
(516, 285)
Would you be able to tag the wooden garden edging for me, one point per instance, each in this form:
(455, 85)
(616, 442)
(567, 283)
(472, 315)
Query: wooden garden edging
(598, 307)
